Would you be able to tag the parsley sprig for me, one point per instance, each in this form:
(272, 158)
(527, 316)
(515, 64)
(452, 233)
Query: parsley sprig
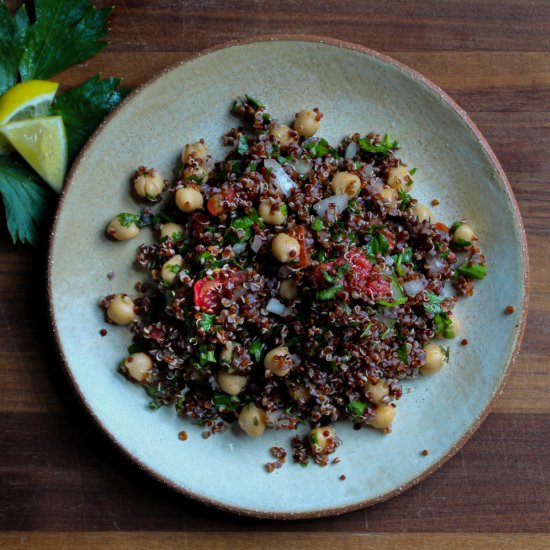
(62, 33)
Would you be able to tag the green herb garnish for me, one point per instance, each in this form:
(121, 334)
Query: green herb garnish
(256, 350)
(384, 147)
(434, 303)
(317, 224)
(403, 354)
(206, 321)
(475, 271)
(395, 303)
(405, 199)
(328, 293)
(226, 402)
(357, 408)
(366, 331)
(242, 146)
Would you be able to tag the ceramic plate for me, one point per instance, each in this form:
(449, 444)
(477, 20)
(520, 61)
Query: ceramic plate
(357, 90)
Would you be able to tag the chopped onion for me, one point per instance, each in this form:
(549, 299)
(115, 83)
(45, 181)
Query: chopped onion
(283, 180)
(257, 242)
(302, 166)
(412, 288)
(351, 150)
(239, 248)
(274, 306)
(340, 203)
(436, 264)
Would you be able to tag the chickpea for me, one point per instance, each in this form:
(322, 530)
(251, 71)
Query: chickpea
(226, 354)
(252, 420)
(376, 392)
(198, 174)
(288, 289)
(323, 440)
(121, 310)
(399, 178)
(123, 227)
(197, 150)
(435, 359)
(383, 416)
(171, 268)
(298, 392)
(423, 213)
(171, 230)
(148, 183)
(464, 234)
(307, 122)
(231, 383)
(285, 248)
(453, 330)
(278, 361)
(139, 366)
(283, 134)
(189, 199)
(271, 214)
(390, 196)
(346, 182)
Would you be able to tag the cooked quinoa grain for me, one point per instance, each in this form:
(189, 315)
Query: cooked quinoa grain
(292, 282)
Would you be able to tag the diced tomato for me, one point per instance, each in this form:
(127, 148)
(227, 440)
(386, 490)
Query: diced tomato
(441, 226)
(214, 204)
(390, 237)
(360, 276)
(208, 293)
(300, 234)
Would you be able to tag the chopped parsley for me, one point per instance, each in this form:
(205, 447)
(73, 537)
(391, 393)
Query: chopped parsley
(405, 199)
(395, 303)
(319, 148)
(224, 402)
(434, 303)
(317, 224)
(443, 325)
(328, 293)
(378, 244)
(383, 148)
(357, 408)
(242, 145)
(403, 354)
(367, 330)
(206, 321)
(475, 271)
(244, 224)
(256, 350)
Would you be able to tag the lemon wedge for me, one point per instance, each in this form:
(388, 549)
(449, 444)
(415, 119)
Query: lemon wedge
(43, 144)
(25, 100)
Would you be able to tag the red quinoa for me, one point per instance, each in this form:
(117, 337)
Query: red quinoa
(363, 293)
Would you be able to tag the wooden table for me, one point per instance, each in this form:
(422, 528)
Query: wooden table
(62, 485)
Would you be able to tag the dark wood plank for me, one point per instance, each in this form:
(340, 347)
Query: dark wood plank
(59, 473)
(200, 540)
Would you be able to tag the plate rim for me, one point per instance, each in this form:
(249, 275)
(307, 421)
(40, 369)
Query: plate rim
(325, 512)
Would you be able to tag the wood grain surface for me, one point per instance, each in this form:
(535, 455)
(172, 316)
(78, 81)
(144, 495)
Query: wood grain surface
(62, 485)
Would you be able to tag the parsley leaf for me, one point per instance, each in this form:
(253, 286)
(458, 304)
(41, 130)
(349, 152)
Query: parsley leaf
(405, 199)
(320, 148)
(66, 32)
(403, 354)
(26, 202)
(256, 350)
(242, 146)
(328, 293)
(357, 408)
(384, 147)
(475, 271)
(434, 303)
(11, 44)
(206, 321)
(226, 402)
(84, 107)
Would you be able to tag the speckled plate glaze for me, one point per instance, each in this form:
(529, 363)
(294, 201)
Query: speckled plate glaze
(357, 90)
